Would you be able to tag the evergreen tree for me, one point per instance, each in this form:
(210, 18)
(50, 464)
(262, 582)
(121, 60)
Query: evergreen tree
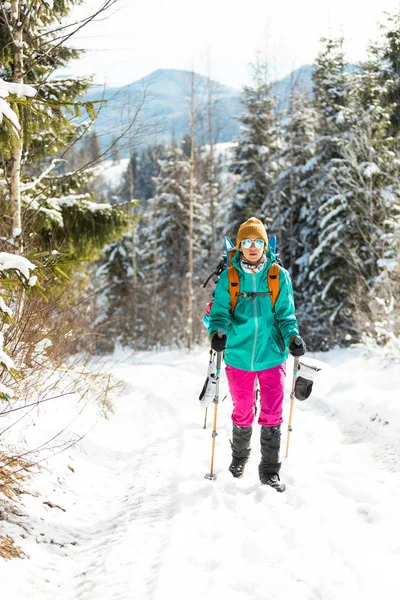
(171, 231)
(291, 188)
(329, 306)
(145, 168)
(214, 191)
(367, 179)
(120, 321)
(254, 163)
(388, 50)
(32, 47)
(162, 262)
(94, 149)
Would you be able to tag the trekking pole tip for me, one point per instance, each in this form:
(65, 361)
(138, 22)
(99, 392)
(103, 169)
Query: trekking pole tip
(210, 477)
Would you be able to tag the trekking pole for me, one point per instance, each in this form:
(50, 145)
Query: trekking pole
(292, 396)
(214, 434)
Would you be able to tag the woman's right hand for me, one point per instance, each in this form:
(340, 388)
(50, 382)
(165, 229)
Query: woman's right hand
(297, 346)
(218, 341)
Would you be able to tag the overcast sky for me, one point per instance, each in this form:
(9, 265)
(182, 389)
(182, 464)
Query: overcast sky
(140, 37)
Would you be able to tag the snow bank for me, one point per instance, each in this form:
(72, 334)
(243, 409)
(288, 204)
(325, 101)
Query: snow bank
(360, 389)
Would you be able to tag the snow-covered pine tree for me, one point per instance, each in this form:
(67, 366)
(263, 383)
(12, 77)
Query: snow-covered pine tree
(226, 188)
(368, 180)
(161, 257)
(119, 320)
(42, 195)
(144, 165)
(214, 180)
(290, 192)
(296, 232)
(389, 50)
(163, 237)
(254, 163)
(212, 170)
(328, 305)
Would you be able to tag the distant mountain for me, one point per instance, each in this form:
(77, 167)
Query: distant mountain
(163, 98)
(299, 79)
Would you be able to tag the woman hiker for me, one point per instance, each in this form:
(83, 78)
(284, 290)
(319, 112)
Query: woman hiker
(255, 349)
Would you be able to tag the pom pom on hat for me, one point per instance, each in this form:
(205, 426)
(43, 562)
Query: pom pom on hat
(252, 227)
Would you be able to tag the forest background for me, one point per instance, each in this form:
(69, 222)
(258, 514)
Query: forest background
(126, 267)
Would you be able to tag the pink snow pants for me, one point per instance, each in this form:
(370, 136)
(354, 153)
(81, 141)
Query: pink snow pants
(242, 390)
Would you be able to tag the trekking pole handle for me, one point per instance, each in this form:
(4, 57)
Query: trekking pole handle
(298, 341)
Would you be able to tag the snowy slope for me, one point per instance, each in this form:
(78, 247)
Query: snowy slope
(141, 522)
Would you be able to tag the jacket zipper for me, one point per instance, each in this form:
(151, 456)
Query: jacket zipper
(255, 322)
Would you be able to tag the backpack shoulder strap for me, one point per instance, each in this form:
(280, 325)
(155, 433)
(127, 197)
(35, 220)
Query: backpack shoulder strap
(233, 278)
(273, 282)
(231, 254)
(234, 286)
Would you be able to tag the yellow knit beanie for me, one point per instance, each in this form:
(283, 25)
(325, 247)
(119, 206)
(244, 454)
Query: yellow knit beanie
(252, 226)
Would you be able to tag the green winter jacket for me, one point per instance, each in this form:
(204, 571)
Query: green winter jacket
(253, 342)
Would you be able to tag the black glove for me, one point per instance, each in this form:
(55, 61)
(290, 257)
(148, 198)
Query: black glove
(218, 341)
(297, 346)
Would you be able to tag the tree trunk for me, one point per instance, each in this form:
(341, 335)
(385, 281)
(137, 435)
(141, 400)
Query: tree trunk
(134, 261)
(292, 198)
(211, 169)
(154, 298)
(190, 229)
(16, 156)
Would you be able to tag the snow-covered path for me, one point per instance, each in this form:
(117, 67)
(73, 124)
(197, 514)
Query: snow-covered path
(142, 523)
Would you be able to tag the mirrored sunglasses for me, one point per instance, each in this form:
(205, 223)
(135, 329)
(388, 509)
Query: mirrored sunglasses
(258, 243)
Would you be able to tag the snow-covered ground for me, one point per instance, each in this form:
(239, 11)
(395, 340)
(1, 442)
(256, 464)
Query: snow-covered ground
(134, 518)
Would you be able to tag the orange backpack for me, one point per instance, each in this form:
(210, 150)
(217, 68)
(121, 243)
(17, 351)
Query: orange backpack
(234, 281)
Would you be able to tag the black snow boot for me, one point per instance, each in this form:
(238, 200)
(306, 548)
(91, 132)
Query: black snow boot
(240, 445)
(269, 467)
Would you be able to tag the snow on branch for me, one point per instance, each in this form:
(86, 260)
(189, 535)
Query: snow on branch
(18, 89)
(7, 111)
(82, 202)
(15, 262)
(12, 262)
(4, 308)
(5, 361)
(32, 184)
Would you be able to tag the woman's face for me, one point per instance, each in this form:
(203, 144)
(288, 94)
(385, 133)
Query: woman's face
(252, 254)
